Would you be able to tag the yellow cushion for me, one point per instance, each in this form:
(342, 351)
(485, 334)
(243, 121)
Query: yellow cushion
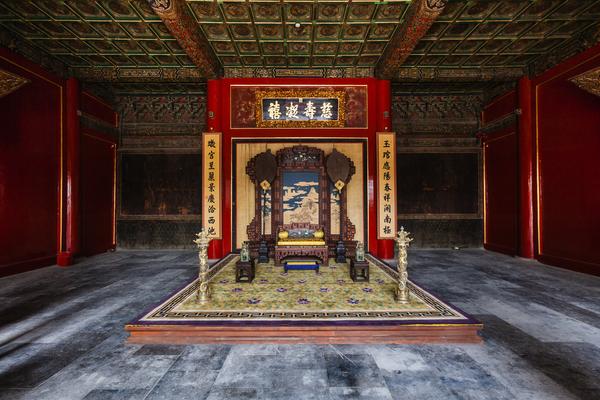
(319, 234)
(283, 235)
(302, 242)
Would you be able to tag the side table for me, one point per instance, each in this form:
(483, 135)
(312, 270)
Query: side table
(244, 271)
(359, 270)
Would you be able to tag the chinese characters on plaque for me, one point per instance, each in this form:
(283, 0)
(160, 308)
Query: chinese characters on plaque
(300, 108)
(211, 184)
(386, 185)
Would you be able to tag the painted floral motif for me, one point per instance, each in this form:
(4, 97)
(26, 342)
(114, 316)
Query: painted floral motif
(271, 291)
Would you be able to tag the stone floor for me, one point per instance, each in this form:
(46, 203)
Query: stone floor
(61, 337)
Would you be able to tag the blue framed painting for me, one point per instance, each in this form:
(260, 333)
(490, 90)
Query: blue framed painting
(300, 197)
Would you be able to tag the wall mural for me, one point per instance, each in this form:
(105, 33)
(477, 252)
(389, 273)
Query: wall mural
(301, 197)
(247, 106)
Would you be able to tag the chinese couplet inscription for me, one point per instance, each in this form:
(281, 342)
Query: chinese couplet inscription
(386, 189)
(211, 184)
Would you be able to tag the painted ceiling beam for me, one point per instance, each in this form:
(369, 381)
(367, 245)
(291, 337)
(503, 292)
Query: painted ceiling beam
(178, 19)
(419, 18)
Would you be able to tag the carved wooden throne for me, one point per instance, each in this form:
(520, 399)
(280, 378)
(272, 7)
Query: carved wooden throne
(303, 161)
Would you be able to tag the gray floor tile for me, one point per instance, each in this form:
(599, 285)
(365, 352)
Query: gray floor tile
(62, 338)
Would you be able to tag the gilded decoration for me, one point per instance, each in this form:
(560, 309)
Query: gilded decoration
(589, 81)
(303, 94)
(424, 40)
(10, 82)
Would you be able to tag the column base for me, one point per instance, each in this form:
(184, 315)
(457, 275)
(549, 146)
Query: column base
(65, 258)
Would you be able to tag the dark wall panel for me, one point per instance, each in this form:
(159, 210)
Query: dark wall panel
(160, 184)
(438, 183)
(445, 233)
(160, 165)
(152, 234)
(439, 188)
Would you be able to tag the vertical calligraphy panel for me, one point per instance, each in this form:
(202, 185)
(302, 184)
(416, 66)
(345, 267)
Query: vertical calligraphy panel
(386, 185)
(211, 183)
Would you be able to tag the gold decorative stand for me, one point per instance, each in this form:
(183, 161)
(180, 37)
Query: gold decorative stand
(202, 241)
(402, 292)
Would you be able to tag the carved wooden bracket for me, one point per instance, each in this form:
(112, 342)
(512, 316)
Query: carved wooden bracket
(182, 25)
(420, 17)
(589, 81)
(10, 82)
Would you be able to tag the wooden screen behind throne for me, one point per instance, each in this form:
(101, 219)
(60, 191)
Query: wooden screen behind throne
(301, 182)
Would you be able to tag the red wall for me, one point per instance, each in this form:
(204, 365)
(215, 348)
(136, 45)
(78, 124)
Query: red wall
(36, 177)
(30, 165)
(98, 178)
(98, 161)
(500, 157)
(554, 156)
(568, 173)
(219, 104)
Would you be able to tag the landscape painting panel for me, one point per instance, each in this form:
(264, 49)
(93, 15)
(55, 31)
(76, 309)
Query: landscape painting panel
(301, 197)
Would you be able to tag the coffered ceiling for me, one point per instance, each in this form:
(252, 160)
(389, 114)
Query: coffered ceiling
(502, 34)
(122, 40)
(298, 34)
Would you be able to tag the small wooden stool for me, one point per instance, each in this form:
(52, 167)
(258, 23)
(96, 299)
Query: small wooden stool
(244, 271)
(359, 270)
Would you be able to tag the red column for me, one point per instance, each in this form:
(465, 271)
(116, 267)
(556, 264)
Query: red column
(526, 242)
(73, 149)
(213, 124)
(385, 248)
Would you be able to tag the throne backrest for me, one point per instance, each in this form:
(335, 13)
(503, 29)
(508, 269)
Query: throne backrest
(300, 229)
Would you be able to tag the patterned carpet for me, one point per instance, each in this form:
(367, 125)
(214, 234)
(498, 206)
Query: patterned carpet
(302, 295)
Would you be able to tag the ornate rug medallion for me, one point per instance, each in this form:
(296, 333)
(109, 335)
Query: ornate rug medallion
(327, 296)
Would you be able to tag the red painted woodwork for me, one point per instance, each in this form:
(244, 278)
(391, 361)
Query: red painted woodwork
(568, 182)
(98, 184)
(499, 107)
(500, 158)
(97, 108)
(322, 334)
(40, 203)
(213, 124)
(526, 239)
(30, 165)
(221, 123)
(385, 248)
(66, 257)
